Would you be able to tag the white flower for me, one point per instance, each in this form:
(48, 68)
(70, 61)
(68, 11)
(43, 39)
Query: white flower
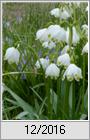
(12, 55)
(67, 35)
(73, 72)
(63, 60)
(42, 62)
(42, 34)
(49, 44)
(2, 88)
(52, 71)
(85, 28)
(65, 49)
(85, 49)
(65, 14)
(58, 13)
(57, 32)
(75, 36)
(55, 12)
(87, 8)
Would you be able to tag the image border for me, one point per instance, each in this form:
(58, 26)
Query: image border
(41, 1)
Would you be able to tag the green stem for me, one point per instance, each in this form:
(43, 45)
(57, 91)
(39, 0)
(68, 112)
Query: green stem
(52, 99)
(66, 98)
(75, 14)
(70, 36)
(48, 85)
(73, 100)
(58, 97)
(16, 72)
(83, 83)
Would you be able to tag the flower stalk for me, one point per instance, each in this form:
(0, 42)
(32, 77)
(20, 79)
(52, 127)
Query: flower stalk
(83, 82)
(48, 86)
(73, 99)
(58, 97)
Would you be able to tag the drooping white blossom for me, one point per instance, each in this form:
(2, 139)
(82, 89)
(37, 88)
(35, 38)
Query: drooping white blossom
(85, 28)
(87, 8)
(57, 32)
(52, 71)
(65, 14)
(55, 12)
(2, 88)
(49, 44)
(85, 49)
(42, 34)
(63, 60)
(67, 35)
(75, 36)
(65, 49)
(12, 55)
(42, 62)
(73, 72)
(60, 13)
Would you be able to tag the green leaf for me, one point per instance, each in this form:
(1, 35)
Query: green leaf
(38, 85)
(70, 99)
(21, 115)
(36, 94)
(42, 106)
(25, 106)
(86, 100)
(37, 107)
(53, 99)
(11, 101)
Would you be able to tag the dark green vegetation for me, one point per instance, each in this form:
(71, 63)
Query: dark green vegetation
(25, 95)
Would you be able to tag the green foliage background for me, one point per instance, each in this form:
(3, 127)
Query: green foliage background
(25, 95)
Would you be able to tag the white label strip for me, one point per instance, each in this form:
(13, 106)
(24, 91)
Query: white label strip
(45, 130)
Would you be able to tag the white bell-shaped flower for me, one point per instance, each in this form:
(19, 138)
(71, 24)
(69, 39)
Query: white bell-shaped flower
(2, 88)
(42, 62)
(65, 49)
(85, 28)
(60, 13)
(75, 36)
(57, 32)
(87, 8)
(52, 71)
(67, 35)
(85, 49)
(49, 44)
(65, 14)
(55, 12)
(63, 60)
(12, 55)
(73, 72)
(42, 34)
